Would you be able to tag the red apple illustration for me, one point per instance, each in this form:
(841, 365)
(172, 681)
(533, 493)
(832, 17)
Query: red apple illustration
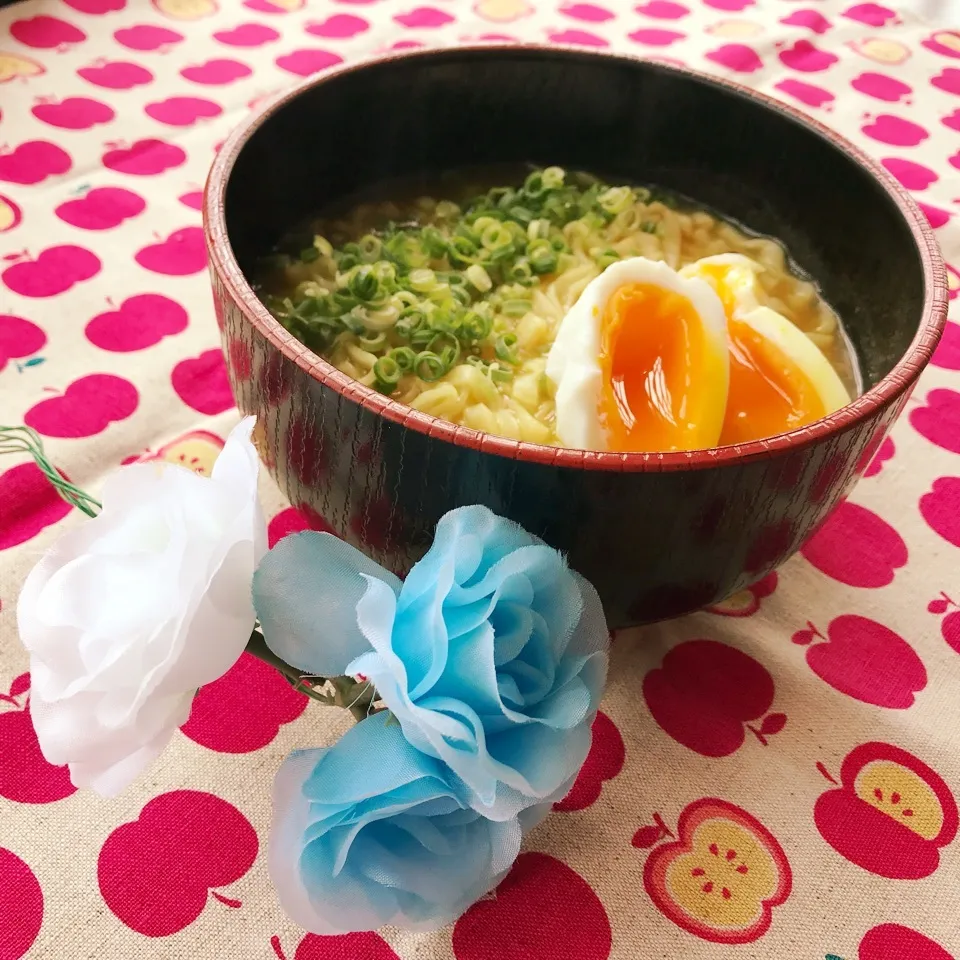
(28, 504)
(21, 906)
(116, 74)
(950, 625)
(145, 158)
(101, 208)
(663, 10)
(856, 547)
(871, 14)
(737, 57)
(944, 42)
(182, 111)
(146, 37)
(201, 383)
(947, 354)
(896, 131)
(193, 200)
(295, 520)
(604, 762)
(890, 815)
(706, 694)
(56, 270)
(339, 26)
(939, 420)
(46, 33)
(941, 508)
(891, 941)
(87, 407)
(745, 603)
(247, 35)
(243, 710)
(348, 946)
(25, 775)
(806, 57)
(96, 7)
(74, 113)
(541, 909)
(157, 873)
(10, 214)
(721, 878)
(865, 660)
(140, 321)
(881, 87)
(216, 72)
(303, 63)
(281, 6)
(18, 338)
(33, 161)
(181, 254)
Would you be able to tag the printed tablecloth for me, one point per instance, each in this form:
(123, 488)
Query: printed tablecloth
(793, 754)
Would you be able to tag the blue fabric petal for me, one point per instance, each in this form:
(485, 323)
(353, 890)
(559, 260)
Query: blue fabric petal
(306, 592)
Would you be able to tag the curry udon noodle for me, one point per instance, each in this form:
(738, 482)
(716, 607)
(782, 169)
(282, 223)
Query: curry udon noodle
(569, 312)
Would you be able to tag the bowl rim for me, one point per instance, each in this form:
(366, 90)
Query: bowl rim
(899, 380)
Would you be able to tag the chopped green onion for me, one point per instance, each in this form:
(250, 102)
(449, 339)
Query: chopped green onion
(479, 277)
(429, 367)
(504, 348)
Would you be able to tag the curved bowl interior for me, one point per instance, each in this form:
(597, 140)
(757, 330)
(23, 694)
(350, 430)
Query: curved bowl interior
(654, 542)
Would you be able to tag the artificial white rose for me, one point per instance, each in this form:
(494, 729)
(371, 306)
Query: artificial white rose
(129, 613)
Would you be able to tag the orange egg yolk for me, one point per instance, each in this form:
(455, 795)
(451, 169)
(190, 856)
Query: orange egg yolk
(652, 348)
(769, 393)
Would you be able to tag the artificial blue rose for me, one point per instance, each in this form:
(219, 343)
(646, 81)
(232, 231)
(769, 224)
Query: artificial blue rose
(370, 832)
(492, 654)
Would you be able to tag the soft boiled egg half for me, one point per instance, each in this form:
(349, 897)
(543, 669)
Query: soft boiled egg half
(652, 360)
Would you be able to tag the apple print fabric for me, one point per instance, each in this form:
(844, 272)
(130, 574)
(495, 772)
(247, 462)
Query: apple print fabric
(777, 776)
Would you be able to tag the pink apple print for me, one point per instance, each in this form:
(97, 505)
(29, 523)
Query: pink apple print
(950, 625)
(656, 38)
(883, 454)
(216, 72)
(604, 762)
(139, 322)
(865, 660)
(891, 941)
(663, 10)
(157, 873)
(32, 502)
(732, 6)
(856, 547)
(807, 58)
(96, 7)
(947, 354)
(945, 42)
(116, 74)
(10, 214)
(737, 57)
(87, 407)
(872, 14)
(193, 199)
(18, 338)
(887, 128)
(101, 208)
(948, 80)
(181, 254)
(143, 158)
(74, 113)
(810, 19)
(914, 176)
(548, 911)
(56, 270)
(941, 508)
(580, 38)
(806, 93)
(201, 383)
(21, 906)
(347, 946)
(952, 121)
(936, 216)
(25, 775)
(423, 18)
(707, 695)
(587, 12)
(182, 111)
(295, 520)
(247, 35)
(32, 162)
(146, 37)
(46, 33)
(939, 419)
(243, 710)
(303, 63)
(284, 6)
(339, 26)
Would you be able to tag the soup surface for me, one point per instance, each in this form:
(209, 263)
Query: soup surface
(562, 310)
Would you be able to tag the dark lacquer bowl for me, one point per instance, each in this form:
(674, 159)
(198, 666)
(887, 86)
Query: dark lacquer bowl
(657, 534)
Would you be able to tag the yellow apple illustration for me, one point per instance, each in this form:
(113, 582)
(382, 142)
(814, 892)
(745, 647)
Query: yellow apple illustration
(12, 65)
(502, 11)
(186, 9)
(881, 51)
(735, 29)
(9, 215)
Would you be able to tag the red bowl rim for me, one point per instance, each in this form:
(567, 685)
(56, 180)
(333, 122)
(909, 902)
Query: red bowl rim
(882, 394)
